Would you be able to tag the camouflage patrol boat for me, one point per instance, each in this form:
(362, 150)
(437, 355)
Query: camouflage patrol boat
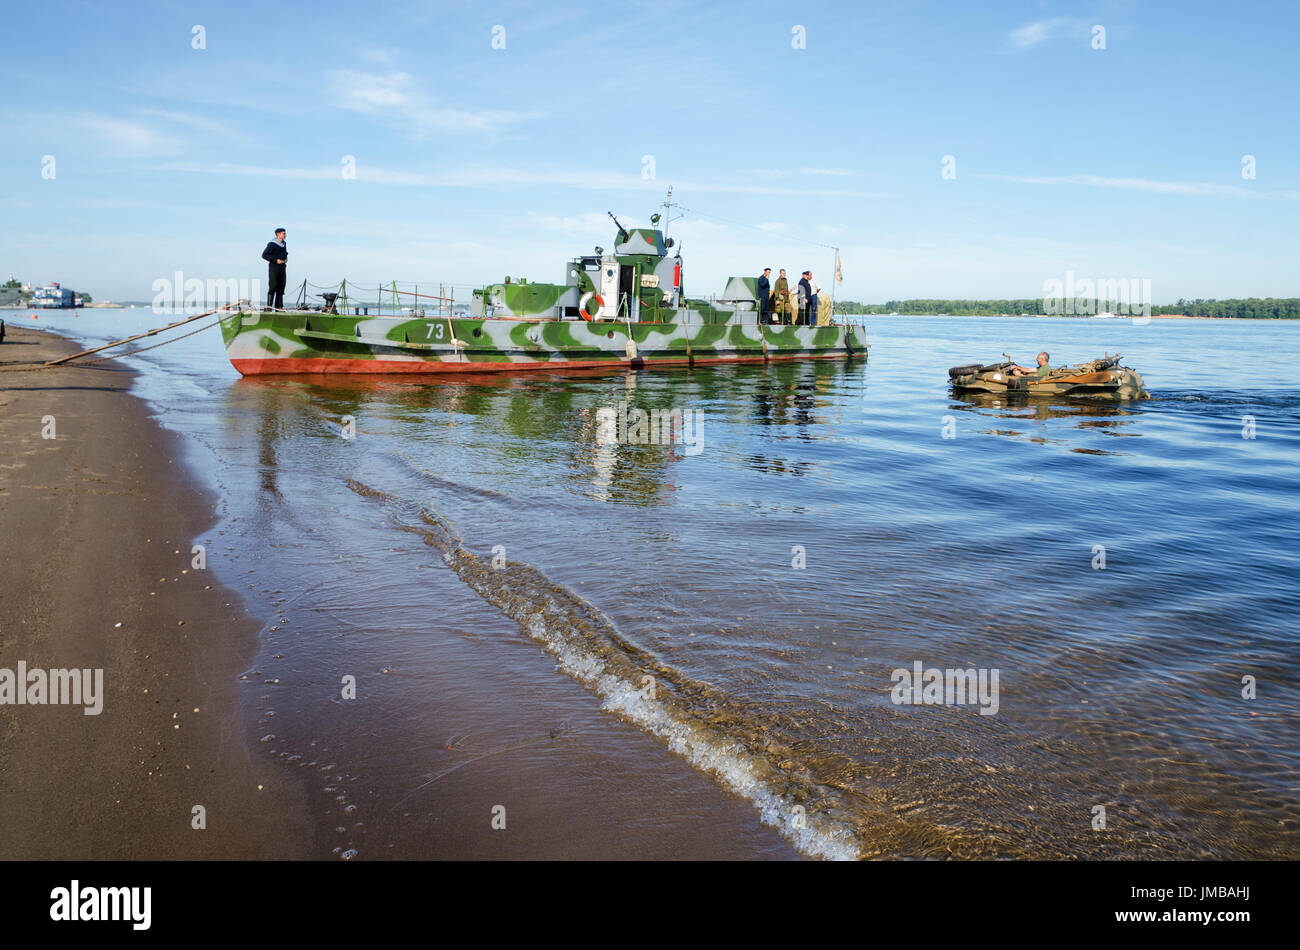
(1098, 379)
(621, 309)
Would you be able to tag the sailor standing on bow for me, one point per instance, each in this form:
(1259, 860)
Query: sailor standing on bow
(275, 255)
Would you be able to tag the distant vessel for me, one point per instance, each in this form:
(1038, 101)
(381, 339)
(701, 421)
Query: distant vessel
(54, 297)
(1103, 316)
(625, 308)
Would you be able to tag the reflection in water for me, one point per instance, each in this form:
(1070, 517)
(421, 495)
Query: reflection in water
(1107, 416)
(536, 414)
(1045, 407)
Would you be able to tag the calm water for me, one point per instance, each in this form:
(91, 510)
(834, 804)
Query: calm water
(669, 584)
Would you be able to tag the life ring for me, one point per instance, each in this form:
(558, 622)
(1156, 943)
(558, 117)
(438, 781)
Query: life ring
(582, 306)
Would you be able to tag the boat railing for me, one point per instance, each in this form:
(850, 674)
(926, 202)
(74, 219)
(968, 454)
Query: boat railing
(391, 299)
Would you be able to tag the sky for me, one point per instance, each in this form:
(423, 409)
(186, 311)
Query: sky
(950, 150)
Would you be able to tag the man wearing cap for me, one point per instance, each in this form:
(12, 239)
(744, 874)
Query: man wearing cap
(805, 295)
(763, 291)
(275, 255)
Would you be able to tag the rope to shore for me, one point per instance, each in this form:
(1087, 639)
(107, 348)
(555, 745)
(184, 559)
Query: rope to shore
(67, 360)
(145, 349)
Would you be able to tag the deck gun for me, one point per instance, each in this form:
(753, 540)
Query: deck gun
(622, 231)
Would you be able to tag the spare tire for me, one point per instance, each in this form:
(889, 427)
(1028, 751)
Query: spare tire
(966, 370)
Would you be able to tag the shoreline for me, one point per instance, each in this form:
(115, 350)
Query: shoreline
(96, 573)
(604, 789)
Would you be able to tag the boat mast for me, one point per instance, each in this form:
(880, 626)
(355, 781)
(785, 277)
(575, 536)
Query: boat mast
(668, 211)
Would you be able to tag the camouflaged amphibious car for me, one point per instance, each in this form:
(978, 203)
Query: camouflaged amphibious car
(1098, 379)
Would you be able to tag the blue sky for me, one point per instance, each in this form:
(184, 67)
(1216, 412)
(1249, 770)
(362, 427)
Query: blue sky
(474, 162)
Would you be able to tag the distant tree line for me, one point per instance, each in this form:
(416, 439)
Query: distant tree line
(1251, 307)
(1283, 308)
(964, 308)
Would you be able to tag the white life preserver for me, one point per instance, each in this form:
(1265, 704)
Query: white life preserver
(582, 305)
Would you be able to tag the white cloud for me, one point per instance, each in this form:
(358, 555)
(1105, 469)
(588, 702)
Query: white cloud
(1205, 189)
(130, 139)
(394, 99)
(574, 224)
(147, 133)
(1042, 31)
(232, 168)
(833, 172)
(786, 173)
(209, 127)
(487, 176)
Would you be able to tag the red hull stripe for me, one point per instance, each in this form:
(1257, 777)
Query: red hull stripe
(323, 364)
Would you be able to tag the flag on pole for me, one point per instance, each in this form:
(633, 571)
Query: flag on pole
(839, 275)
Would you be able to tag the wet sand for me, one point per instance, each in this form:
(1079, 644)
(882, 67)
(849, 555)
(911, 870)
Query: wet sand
(96, 527)
(96, 517)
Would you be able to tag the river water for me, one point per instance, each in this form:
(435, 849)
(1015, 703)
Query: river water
(736, 605)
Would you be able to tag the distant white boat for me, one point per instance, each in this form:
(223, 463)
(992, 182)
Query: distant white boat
(1100, 316)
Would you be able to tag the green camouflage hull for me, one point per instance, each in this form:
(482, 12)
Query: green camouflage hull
(309, 342)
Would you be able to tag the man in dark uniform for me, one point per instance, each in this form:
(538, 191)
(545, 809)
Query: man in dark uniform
(275, 255)
(805, 297)
(763, 290)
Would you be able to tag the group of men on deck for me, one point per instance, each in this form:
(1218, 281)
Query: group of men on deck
(777, 304)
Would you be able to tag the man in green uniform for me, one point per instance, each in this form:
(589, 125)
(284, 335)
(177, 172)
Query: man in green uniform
(1043, 368)
(781, 294)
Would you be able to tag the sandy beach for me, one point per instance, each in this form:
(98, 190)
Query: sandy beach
(98, 527)
(96, 573)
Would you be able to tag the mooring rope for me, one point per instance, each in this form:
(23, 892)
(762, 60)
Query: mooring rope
(145, 349)
(67, 360)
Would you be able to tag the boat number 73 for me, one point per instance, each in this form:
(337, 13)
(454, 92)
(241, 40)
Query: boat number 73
(435, 331)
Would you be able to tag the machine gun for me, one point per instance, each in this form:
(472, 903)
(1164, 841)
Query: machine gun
(622, 231)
